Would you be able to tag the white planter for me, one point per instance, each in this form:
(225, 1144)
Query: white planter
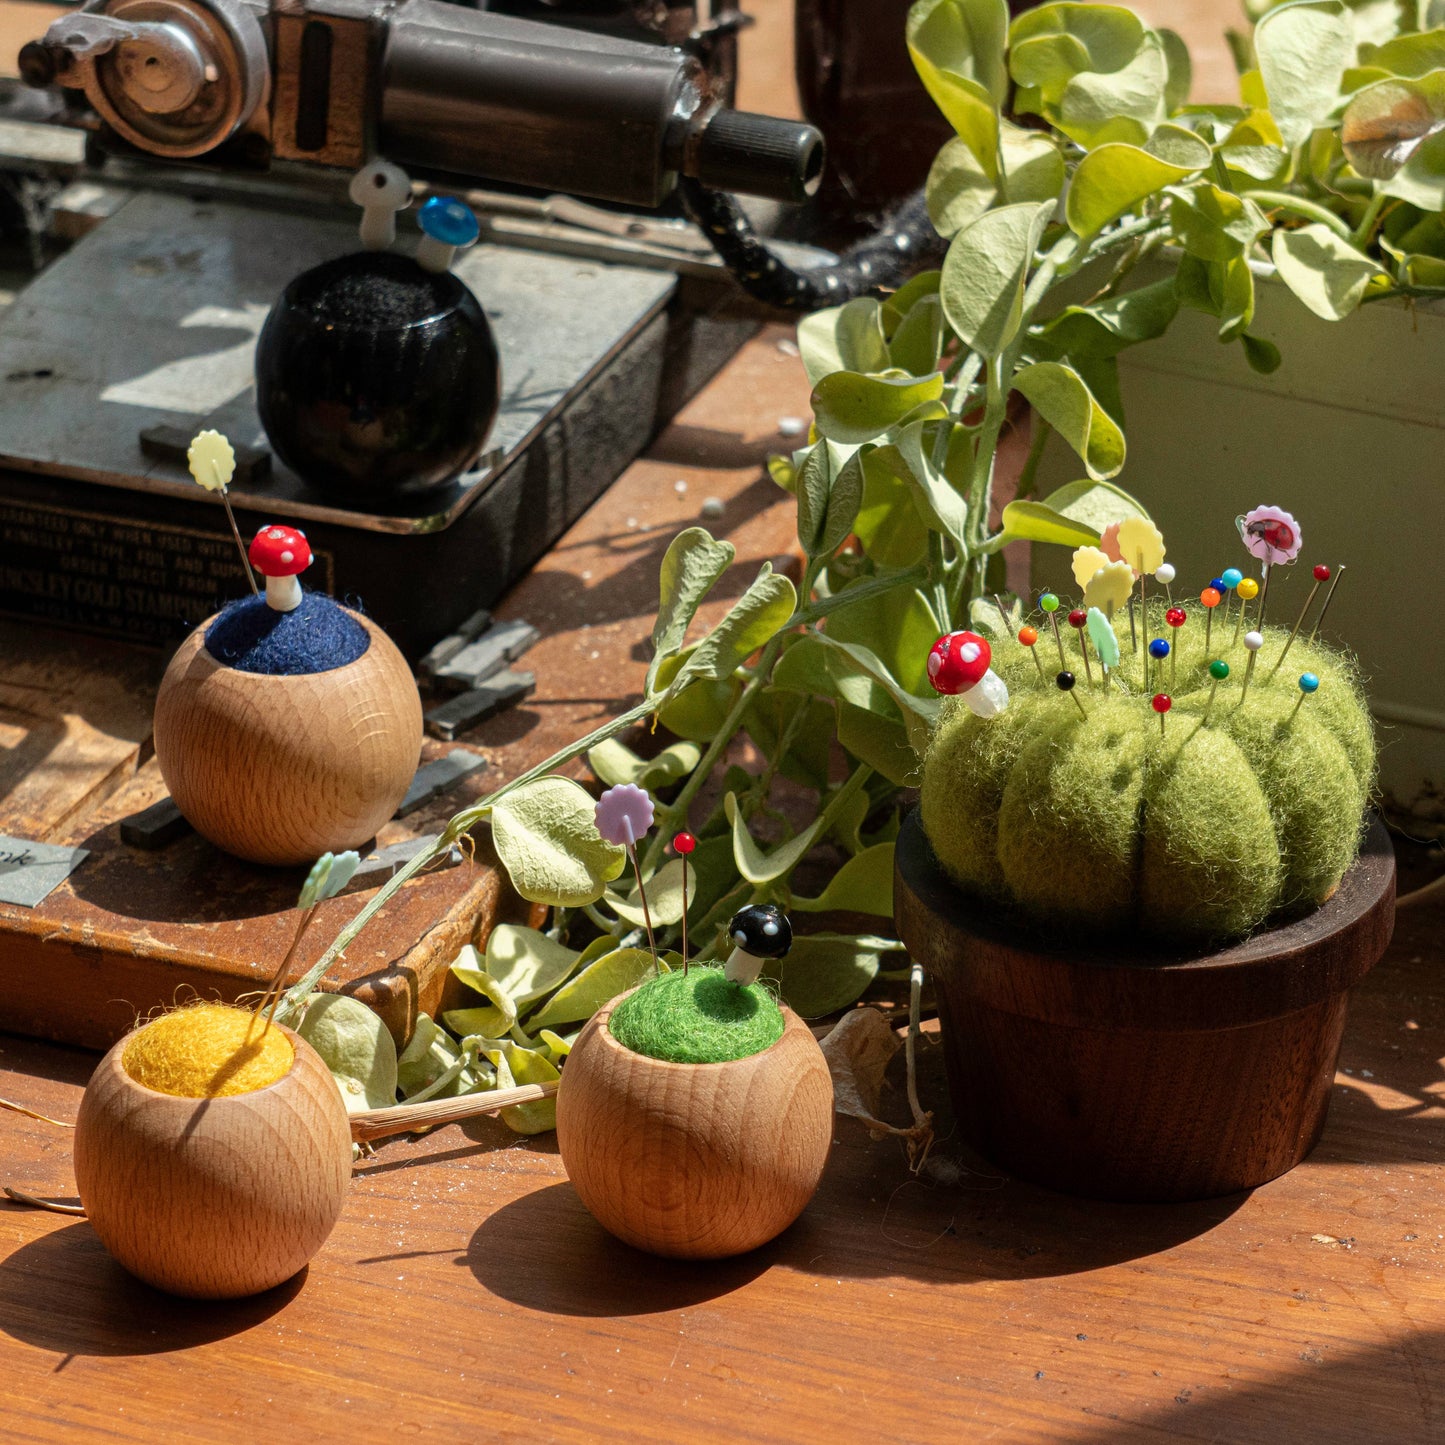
(1349, 435)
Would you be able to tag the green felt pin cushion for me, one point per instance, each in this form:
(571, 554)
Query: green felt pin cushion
(1196, 833)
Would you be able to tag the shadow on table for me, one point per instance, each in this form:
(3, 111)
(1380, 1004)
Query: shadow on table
(545, 1252)
(1333, 1397)
(106, 1310)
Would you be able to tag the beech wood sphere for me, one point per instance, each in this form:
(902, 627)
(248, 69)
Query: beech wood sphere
(214, 1198)
(695, 1161)
(280, 769)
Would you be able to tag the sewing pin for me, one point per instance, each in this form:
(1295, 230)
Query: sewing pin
(1166, 574)
(1159, 649)
(1247, 589)
(1209, 599)
(212, 463)
(1077, 619)
(683, 844)
(1218, 671)
(1308, 683)
(1253, 641)
(1028, 636)
(1176, 617)
(1329, 597)
(624, 814)
(1226, 582)
(1065, 682)
(1322, 575)
(1050, 604)
(1161, 703)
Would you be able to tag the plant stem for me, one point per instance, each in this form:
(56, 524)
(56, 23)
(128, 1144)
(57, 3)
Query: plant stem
(938, 577)
(1365, 230)
(1284, 201)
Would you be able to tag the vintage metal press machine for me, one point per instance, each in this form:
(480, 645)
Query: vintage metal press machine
(606, 316)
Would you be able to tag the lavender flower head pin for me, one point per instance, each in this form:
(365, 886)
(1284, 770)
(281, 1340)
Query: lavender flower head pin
(624, 814)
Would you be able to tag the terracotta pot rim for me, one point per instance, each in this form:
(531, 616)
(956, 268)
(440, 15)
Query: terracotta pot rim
(601, 1017)
(117, 1054)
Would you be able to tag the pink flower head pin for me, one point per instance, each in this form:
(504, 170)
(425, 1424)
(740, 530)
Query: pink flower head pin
(1273, 536)
(624, 814)
(1269, 534)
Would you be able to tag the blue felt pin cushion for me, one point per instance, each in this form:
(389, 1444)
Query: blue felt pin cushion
(318, 636)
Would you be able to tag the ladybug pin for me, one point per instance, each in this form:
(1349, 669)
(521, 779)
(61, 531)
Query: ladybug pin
(958, 666)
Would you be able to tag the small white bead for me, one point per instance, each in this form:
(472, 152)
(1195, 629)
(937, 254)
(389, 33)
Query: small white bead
(1253, 641)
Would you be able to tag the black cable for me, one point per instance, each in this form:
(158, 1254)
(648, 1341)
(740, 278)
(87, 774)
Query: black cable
(904, 244)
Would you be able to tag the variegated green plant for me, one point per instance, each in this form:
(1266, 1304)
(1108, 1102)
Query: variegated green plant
(1076, 155)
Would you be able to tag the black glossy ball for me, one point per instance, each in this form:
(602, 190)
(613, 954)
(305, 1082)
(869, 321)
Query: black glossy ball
(762, 929)
(376, 379)
(1065, 681)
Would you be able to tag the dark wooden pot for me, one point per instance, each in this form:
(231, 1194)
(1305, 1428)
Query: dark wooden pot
(1120, 1071)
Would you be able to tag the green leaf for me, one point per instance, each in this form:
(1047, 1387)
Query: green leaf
(852, 408)
(664, 896)
(843, 338)
(1122, 106)
(1179, 69)
(773, 711)
(985, 271)
(1408, 55)
(355, 1045)
(1385, 124)
(1033, 167)
(516, 1065)
(757, 866)
(1039, 522)
(614, 762)
(1212, 224)
(1050, 45)
(903, 300)
(918, 342)
(328, 876)
(1107, 327)
(889, 524)
(597, 984)
(1116, 178)
(1327, 273)
(957, 47)
(823, 974)
(1059, 395)
(1303, 49)
(500, 1013)
(546, 836)
(1096, 504)
(430, 1054)
(690, 569)
(958, 189)
(918, 712)
(828, 499)
(526, 963)
(898, 628)
(756, 616)
(1263, 356)
(939, 502)
(879, 738)
(864, 884)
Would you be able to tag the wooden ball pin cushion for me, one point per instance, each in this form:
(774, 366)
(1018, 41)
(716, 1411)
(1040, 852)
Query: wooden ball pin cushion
(212, 1152)
(287, 726)
(695, 1112)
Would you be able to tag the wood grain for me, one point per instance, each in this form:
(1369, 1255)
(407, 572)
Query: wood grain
(279, 770)
(213, 1198)
(1121, 1071)
(695, 1161)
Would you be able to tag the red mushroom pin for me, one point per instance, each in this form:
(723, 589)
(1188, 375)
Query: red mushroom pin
(278, 554)
(959, 665)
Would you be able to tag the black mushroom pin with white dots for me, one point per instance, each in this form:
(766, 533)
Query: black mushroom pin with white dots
(761, 932)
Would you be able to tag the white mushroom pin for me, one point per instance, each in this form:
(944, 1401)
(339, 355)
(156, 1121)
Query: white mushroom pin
(959, 665)
(381, 190)
(278, 554)
(761, 932)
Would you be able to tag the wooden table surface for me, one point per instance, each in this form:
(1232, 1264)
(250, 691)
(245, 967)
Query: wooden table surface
(466, 1293)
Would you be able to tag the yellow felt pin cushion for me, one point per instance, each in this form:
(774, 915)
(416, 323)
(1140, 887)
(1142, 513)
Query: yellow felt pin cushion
(207, 1051)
